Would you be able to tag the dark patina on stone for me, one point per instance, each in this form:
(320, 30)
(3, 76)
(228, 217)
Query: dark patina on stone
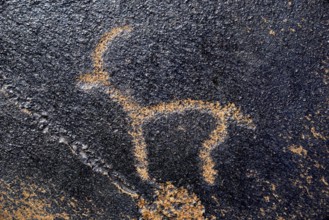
(164, 109)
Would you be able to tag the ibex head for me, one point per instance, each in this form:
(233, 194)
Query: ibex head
(99, 75)
(138, 114)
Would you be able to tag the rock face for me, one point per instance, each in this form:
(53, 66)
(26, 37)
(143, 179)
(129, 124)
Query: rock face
(164, 109)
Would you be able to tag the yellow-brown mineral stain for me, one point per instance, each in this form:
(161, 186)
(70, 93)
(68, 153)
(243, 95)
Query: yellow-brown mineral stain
(25, 203)
(271, 32)
(298, 150)
(318, 135)
(26, 111)
(292, 30)
(323, 180)
(262, 211)
(140, 114)
(172, 203)
(267, 198)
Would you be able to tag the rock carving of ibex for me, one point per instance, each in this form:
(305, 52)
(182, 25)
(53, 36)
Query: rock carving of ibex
(141, 114)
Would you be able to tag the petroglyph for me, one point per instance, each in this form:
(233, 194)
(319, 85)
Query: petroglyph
(173, 203)
(20, 200)
(139, 115)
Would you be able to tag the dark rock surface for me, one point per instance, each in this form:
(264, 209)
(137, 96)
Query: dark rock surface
(270, 58)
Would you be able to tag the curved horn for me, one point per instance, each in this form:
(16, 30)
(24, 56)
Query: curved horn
(99, 75)
(102, 46)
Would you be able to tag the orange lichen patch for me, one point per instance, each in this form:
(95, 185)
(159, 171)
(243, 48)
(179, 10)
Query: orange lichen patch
(172, 203)
(298, 150)
(317, 135)
(24, 202)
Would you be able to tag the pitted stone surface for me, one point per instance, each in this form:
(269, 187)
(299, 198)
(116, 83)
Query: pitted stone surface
(269, 58)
